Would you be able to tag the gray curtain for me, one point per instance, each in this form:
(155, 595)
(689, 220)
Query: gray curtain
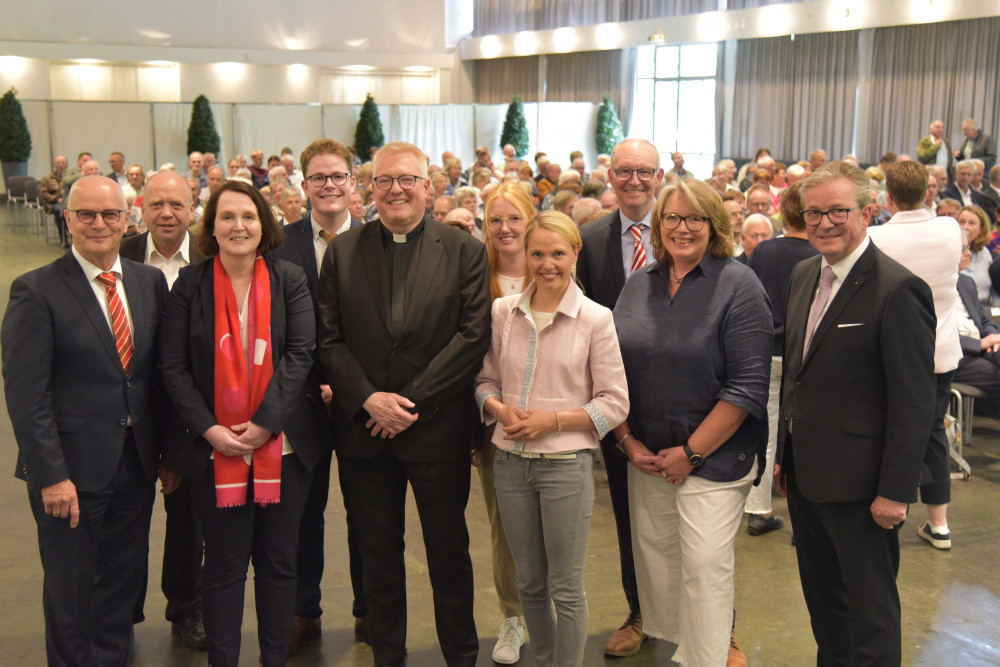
(750, 4)
(499, 79)
(497, 17)
(794, 96)
(947, 71)
(589, 75)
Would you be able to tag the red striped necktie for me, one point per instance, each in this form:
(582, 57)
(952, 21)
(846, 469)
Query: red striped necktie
(119, 322)
(638, 251)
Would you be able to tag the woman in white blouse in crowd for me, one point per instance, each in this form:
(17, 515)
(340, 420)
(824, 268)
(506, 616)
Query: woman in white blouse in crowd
(555, 382)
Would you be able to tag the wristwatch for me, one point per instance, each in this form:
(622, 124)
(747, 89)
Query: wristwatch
(694, 459)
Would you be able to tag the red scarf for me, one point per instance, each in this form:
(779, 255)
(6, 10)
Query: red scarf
(240, 383)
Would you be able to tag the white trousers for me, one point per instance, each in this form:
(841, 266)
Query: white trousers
(682, 539)
(759, 500)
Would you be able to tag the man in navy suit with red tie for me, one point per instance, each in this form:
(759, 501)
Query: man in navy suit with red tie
(79, 361)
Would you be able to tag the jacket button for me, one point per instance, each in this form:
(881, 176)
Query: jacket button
(743, 457)
(123, 422)
(798, 385)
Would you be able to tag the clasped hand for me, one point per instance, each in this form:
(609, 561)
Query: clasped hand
(521, 424)
(671, 464)
(240, 440)
(389, 414)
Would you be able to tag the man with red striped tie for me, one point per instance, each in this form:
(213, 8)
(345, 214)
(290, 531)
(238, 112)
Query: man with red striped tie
(79, 360)
(613, 247)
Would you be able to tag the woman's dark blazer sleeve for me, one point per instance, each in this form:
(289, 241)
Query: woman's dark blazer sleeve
(187, 365)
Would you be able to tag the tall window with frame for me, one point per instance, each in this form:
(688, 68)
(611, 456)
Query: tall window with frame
(674, 103)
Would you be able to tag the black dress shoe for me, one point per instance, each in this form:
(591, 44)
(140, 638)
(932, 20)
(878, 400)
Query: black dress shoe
(361, 629)
(758, 524)
(192, 632)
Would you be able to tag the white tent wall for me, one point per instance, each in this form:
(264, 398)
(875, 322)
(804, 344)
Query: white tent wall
(170, 125)
(101, 128)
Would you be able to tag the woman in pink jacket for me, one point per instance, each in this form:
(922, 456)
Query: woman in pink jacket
(555, 382)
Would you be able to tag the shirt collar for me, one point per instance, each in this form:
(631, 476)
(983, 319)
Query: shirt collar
(569, 305)
(627, 222)
(844, 266)
(918, 215)
(91, 270)
(183, 250)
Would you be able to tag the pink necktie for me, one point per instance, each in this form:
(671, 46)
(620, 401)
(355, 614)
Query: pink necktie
(638, 251)
(819, 303)
(119, 322)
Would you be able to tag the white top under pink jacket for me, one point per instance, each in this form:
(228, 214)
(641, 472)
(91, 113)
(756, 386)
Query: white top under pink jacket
(572, 363)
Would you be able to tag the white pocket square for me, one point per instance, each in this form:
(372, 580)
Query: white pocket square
(852, 324)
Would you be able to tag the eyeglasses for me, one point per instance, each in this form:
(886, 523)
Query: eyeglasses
(86, 216)
(626, 174)
(694, 223)
(406, 181)
(836, 216)
(511, 220)
(339, 178)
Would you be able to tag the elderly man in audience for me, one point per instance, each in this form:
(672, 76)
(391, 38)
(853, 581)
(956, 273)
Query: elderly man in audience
(195, 169)
(91, 168)
(168, 210)
(133, 188)
(293, 174)
(994, 184)
(585, 210)
(117, 163)
(443, 205)
(930, 197)
(71, 175)
(796, 173)
(207, 161)
(929, 149)
(817, 158)
(613, 248)
(961, 190)
(756, 228)
(461, 218)
(948, 207)
(290, 203)
(548, 183)
(51, 192)
(983, 188)
(678, 159)
(931, 248)
(258, 171)
(577, 165)
(564, 201)
(568, 180)
(980, 339)
(977, 144)
(214, 177)
(609, 201)
(733, 202)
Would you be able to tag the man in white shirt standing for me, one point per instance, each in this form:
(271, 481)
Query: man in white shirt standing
(167, 210)
(931, 248)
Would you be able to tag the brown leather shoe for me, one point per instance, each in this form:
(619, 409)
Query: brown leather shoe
(303, 630)
(627, 639)
(736, 658)
(361, 629)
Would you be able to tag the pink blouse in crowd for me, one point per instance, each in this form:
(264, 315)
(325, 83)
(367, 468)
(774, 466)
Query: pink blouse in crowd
(572, 363)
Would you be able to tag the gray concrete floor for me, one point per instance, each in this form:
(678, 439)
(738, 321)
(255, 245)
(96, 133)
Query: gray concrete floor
(951, 600)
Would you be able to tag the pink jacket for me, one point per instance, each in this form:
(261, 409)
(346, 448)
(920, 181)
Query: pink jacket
(575, 362)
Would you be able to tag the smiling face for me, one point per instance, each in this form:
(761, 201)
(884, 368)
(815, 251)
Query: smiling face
(237, 225)
(329, 202)
(835, 242)
(736, 214)
(135, 177)
(401, 210)
(970, 222)
(505, 224)
(550, 260)
(937, 129)
(635, 196)
(167, 210)
(97, 241)
(684, 246)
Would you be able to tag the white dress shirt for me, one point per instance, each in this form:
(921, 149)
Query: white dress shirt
(92, 271)
(170, 267)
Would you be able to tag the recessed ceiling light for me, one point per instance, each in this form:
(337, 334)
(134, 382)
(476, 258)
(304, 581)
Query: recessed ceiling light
(87, 61)
(359, 68)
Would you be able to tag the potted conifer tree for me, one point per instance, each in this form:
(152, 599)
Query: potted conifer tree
(15, 140)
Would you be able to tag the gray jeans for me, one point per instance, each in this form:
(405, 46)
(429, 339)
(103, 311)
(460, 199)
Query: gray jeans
(546, 506)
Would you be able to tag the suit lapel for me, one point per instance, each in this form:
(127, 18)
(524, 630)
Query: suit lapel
(208, 300)
(138, 302)
(307, 250)
(852, 283)
(797, 315)
(615, 251)
(79, 287)
(427, 261)
(371, 257)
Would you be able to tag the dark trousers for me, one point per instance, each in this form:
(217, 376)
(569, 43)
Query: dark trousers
(311, 557)
(937, 490)
(376, 488)
(617, 467)
(848, 566)
(60, 223)
(183, 548)
(984, 374)
(269, 536)
(93, 573)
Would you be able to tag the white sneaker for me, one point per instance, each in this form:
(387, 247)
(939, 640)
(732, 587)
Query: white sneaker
(510, 640)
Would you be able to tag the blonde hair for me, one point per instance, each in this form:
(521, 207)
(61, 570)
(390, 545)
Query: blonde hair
(983, 237)
(705, 201)
(398, 147)
(557, 222)
(513, 194)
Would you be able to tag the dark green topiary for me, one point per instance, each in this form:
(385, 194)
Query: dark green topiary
(15, 140)
(609, 127)
(369, 132)
(515, 128)
(202, 136)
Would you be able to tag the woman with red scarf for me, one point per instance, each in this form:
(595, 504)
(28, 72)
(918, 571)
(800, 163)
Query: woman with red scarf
(237, 340)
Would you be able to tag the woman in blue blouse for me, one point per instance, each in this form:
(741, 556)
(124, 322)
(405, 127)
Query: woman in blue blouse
(695, 334)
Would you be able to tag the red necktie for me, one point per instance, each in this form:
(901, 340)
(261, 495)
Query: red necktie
(638, 251)
(119, 322)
